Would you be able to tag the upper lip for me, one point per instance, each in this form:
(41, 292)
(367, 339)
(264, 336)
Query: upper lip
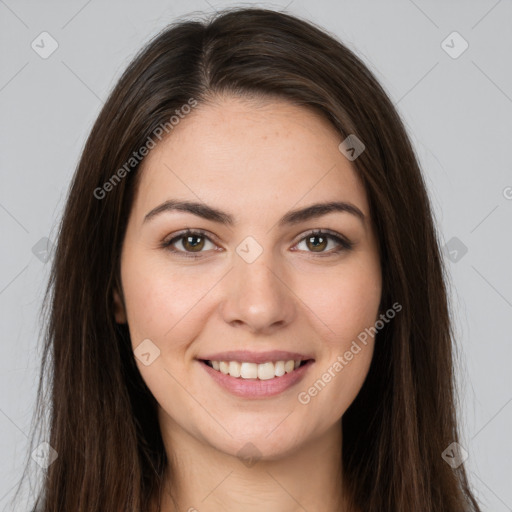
(255, 357)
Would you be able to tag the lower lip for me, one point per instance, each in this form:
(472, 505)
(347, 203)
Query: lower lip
(256, 388)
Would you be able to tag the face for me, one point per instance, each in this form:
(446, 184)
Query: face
(252, 279)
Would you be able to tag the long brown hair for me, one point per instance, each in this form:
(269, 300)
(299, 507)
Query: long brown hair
(102, 417)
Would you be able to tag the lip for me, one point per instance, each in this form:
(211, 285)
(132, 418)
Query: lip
(256, 388)
(255, 357)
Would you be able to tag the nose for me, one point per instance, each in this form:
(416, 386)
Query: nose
(257, 296)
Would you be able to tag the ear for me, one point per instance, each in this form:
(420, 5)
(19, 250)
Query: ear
(119, 309)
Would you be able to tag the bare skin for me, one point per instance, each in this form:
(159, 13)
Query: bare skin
(257, 162)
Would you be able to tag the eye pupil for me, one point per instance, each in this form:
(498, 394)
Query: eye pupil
(194, 246)
(320, 245)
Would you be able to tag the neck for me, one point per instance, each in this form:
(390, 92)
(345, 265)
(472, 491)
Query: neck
(201, 478)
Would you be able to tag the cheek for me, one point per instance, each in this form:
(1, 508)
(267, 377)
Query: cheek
(165, 307)
(344, 306)
(344, 301)
(160, 300)
(334, 384)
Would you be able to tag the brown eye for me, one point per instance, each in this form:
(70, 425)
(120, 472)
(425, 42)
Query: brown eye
(317, 246)
(318, 241)
(188, 244)
(191, 243)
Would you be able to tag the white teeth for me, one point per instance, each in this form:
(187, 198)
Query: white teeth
(279, 368)
(224, 367)
(249, 371)
(289, 366)
(234, 368)
(264, 371)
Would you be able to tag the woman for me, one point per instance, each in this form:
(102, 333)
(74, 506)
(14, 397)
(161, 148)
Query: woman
(248, 305)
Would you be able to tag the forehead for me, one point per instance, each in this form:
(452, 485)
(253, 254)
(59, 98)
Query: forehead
(250, 156)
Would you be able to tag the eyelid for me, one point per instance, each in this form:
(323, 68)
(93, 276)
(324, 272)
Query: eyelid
(343, 240)
(168, 242)
(189, 232)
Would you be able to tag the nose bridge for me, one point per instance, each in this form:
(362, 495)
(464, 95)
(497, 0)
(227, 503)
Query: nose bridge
(256, 294)
(258, 277)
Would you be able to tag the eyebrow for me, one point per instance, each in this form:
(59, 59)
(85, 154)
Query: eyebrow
(290, 218)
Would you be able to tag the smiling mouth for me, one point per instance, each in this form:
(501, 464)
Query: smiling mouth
(254, 371)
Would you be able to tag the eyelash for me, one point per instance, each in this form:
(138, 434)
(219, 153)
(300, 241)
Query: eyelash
(345, 244)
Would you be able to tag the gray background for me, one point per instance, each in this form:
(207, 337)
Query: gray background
(459, 115)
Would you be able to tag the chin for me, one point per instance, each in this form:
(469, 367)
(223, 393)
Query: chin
(253, 444)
